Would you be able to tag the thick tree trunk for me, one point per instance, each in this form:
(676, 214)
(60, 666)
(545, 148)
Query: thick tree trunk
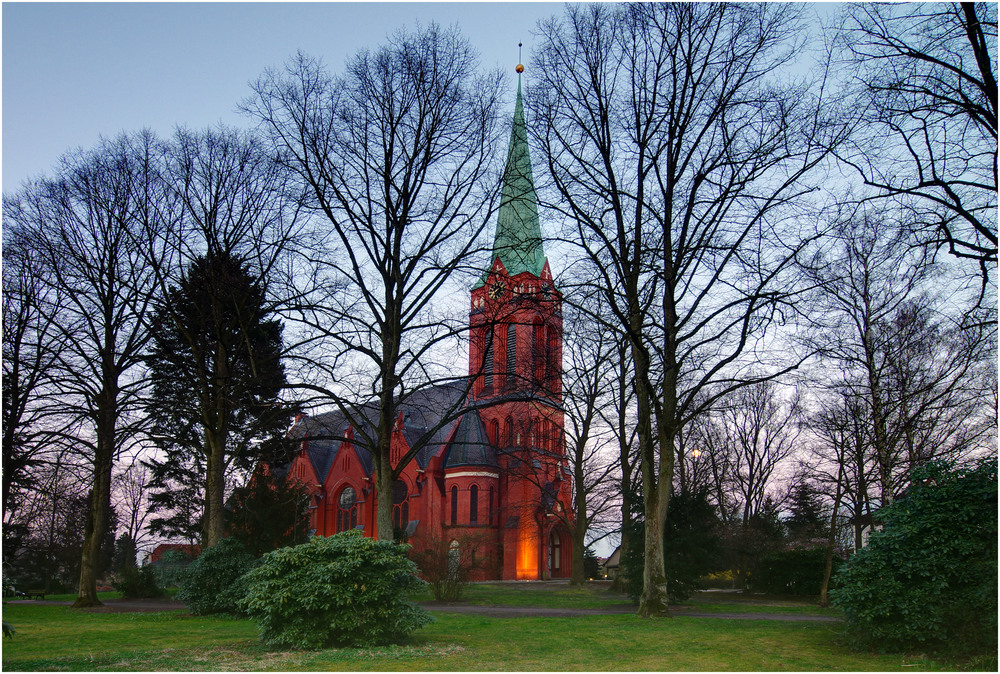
(100, 495)
(577, 577)
(653, 600)
(215, 492)
(383, 491)
(100, 503)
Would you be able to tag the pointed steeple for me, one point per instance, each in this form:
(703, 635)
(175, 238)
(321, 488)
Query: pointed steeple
(518, 238)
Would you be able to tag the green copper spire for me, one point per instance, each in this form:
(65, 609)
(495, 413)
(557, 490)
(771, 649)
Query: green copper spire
(518, 240)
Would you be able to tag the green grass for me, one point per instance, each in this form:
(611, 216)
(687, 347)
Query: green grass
(554, 595)
(57, 638)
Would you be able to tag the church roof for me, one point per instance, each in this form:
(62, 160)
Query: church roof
(518, 239)
(470, 446)
(421, 412)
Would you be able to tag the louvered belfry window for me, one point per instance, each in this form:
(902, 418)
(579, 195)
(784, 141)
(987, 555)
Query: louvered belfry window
(511, 355)
(488, 363)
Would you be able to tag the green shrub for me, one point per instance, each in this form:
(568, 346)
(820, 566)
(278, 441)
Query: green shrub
(345, 590)
(929, 577)
(690, 546)
(213, 582)
(798, 571)
(132, 582)
(446, 564)
(172, 567)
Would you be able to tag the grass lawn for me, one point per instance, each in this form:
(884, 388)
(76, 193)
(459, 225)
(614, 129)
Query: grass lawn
(57, 638)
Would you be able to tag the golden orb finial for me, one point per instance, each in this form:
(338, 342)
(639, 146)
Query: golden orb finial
(519, 68)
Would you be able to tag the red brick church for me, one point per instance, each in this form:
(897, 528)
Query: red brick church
(497, 474)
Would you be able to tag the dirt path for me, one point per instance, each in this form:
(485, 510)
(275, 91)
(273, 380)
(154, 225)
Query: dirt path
(151, 605)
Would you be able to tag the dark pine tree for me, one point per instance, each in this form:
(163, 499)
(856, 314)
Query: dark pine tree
(217, 377)
(268, 513)
(807, 527)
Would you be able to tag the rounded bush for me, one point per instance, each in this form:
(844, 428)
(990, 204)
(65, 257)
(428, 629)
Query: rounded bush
(344, 590)
(137, 583)
(213, 582)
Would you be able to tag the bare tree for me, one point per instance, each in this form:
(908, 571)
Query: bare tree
(30, 348)
(131, 502)
(88, 228)
(589, 354)
(905, 358)
(394, 159)
(763, 432)
(674, 154)
(837, 463)
(926, 75)
(217, 376)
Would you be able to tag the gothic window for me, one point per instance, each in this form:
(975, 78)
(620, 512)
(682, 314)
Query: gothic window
(495, 432)
(400, 505)
(347, 509)
(511, 355)
(474, 505)
(454, 506)
(508, 433)
(490, 513)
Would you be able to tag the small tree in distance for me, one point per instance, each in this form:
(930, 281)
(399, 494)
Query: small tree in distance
(447, 564)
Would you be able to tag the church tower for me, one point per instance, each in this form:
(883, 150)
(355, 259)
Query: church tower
(515, 361)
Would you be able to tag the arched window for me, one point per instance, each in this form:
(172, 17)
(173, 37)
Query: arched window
(508, 433)
(347, 509)
(555, 552)
(511, 355)
(489, 513)
(474, 504)
(495, 432)
(400, 505)
(454, 506)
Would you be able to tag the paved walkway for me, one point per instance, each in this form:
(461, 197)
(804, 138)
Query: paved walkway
(151, 605)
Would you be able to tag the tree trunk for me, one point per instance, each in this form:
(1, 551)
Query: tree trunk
(100, 495)
(577, 576)
(824, 594)
(100, 502)
(383, 486)
(215, 492)
(653, 600)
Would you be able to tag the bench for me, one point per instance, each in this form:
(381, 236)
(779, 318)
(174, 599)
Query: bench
(34, 594)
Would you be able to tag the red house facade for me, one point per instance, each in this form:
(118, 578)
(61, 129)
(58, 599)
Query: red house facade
(495, 477)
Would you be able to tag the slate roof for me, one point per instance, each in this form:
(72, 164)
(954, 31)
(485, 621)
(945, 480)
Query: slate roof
(470, 446)
(421, 412)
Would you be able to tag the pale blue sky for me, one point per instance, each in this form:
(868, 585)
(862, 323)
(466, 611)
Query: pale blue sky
(73, 72)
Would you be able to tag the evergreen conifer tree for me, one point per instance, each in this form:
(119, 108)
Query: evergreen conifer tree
(217, 379)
